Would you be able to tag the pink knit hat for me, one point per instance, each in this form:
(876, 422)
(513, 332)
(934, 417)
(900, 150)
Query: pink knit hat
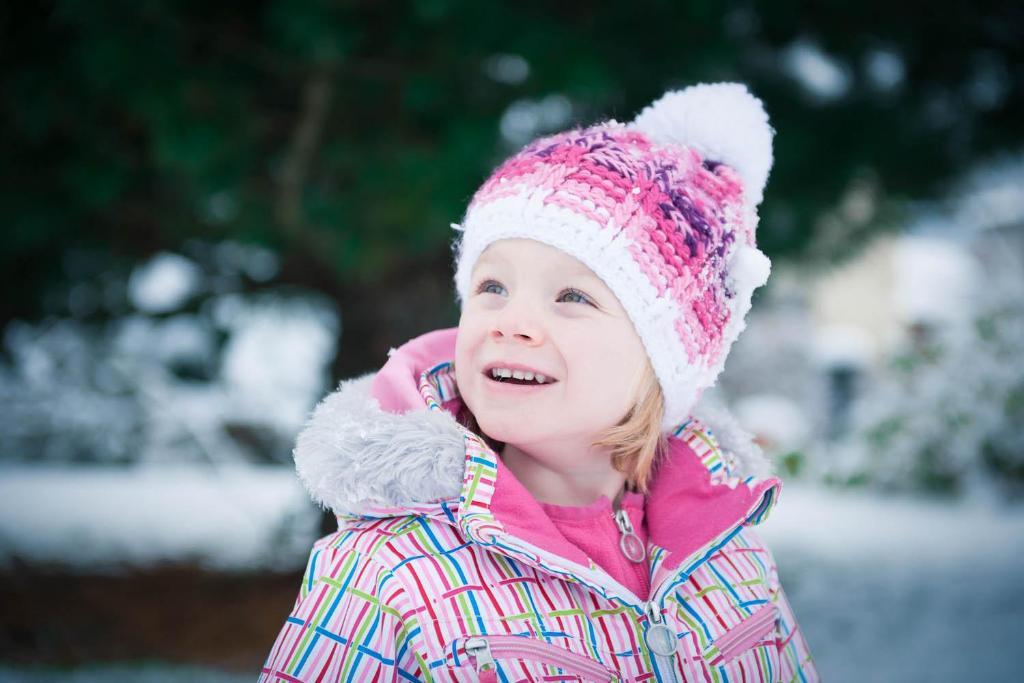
(662, 209)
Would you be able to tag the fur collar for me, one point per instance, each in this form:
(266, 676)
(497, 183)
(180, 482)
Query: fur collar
(357, 459)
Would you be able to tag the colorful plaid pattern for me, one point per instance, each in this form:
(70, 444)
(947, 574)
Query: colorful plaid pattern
(393, 596)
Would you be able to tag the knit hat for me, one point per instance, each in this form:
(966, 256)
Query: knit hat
(662, 209)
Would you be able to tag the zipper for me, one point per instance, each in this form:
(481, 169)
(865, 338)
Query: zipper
(652, 607)
(659, 632)
(480, 651)
(483, 650)
(596, 577)
(744, 634)
(629, 542)
(661, 641)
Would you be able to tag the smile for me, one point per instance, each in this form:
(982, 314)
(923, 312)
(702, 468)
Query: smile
(513, 385)
(518, 376)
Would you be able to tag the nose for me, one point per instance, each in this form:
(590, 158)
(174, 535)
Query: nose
(516, 322)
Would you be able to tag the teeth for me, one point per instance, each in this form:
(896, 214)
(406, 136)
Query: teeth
(518, 374)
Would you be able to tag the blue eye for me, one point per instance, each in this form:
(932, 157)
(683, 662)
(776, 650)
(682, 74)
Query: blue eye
(485, 287)
(576, 293)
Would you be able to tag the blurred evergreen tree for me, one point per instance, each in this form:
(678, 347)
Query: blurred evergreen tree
(348, 135)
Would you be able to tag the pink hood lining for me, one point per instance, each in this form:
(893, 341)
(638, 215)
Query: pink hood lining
(686, 508)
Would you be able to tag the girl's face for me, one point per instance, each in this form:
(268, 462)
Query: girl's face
(535, 307)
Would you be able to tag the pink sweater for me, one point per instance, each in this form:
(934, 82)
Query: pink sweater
(592, 529)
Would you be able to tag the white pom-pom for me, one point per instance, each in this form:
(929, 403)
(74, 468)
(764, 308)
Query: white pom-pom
(723, 122)
(749, 269)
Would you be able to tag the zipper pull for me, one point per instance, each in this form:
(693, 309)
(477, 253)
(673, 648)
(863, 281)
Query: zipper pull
(659, 637)
(480, 650)
(629, 542)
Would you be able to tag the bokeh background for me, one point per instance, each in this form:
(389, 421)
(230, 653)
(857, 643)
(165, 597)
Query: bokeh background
(212, 212)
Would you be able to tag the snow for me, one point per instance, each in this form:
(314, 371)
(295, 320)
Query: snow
(988, 197)
(105, 520)
(258, 263)
(524, 119)
(851, 525)
(900, 588)
(885, 68)
(885, 588)
(991, 195)
(934, 279)
(163, 283)
(842, 345)
(155, 389)
(275, 357)
(818, 73)
(182, 337)
(511, 69)
(776, 419)
(945, 410)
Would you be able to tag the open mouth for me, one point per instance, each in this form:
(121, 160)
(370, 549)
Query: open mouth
(527, 379)
(524, 382)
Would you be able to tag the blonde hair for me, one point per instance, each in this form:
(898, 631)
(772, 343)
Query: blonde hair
(637, 442)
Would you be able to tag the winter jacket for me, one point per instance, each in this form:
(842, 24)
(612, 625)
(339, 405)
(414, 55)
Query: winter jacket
(439, 571)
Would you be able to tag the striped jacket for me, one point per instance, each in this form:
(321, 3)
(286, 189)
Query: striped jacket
(434, 575)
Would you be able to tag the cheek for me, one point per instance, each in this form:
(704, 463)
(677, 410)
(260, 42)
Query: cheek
(594, 351)
(468, 340)
(604, 364)
(463, 354)
(461, 368)
(471, 323)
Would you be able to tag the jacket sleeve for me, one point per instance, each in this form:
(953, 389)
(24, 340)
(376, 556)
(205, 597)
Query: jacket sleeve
(794, 654)
(348, 624)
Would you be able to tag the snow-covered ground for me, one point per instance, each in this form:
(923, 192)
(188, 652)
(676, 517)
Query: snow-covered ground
(885, 588)
(108, 519)
(901, 589)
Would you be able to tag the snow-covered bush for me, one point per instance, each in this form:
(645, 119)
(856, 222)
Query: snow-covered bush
(948, 412)
(943, 410)
(772, 381)
(193, 363)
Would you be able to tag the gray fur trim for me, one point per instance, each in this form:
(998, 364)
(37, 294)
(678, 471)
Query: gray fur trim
(747, 458)
(352, 455)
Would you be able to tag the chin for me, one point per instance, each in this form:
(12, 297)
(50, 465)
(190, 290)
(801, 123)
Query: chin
(506, 428)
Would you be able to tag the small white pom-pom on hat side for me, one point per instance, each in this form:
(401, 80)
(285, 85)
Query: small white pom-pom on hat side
(722, 122)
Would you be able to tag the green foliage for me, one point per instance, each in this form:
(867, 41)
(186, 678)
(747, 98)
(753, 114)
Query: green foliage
(793, 463)
(349, 135)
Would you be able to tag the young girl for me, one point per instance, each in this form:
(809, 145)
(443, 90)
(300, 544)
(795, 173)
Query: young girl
(531, 496)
